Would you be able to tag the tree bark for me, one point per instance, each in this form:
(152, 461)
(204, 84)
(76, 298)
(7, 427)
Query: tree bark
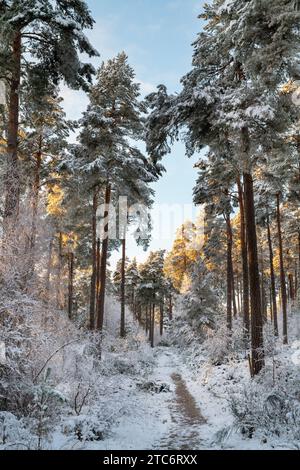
(273, 287)
(98, 257)
(257, 353)
(246, 307)
(59, 270)
(271, 303)
(229, 271)
(170, 308)
(282, 274)
(94, 260)
(147, 319)
(291, 287)
(104, 254)
(49, 267)
(71, 285)
(235, 310)
(161, 319)
(122, 327)
(12, 180)
(238, 296)
(264, 303)
(152, 324)
(35, 206)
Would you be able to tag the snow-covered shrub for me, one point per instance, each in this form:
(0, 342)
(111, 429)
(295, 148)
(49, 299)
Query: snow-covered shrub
(86, 428)
(49, 369)
(13, 433)
(259, 407)
(201, 300)
(43, 411)
(223, 345)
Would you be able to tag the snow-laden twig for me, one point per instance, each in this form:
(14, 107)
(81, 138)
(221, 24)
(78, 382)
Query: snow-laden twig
(51, 357)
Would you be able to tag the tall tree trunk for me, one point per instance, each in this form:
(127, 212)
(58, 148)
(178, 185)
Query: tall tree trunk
(282, 274)
(71, 285)
(291, 287)
(122, 327)
(170, 307)
(98, 258)
(152, 325)
(271, 303)
(147, 319)
(246, 306)
(94, 260)
(272, 272)
(235, 310)
(257, 351)
(35, 206)
(161, 319)
(238, 296)
(12, 180)
(59, 271)
(263, 291)
(229, 271)
(49, 267)
(104, 254)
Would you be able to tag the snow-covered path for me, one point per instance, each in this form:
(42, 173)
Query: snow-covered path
(186, 417)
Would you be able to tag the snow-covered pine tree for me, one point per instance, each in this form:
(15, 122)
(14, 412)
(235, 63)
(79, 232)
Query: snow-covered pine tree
(266, 213)
(201, 301)
(117, 276)
(132, 281)
(151, 292)
(45, 142)
(180, 258)
(107, 151)
(40, 42)
(231, 94)
(213, 188)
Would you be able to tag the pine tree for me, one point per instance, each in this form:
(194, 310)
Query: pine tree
(215, 181)
(180, 259)
(45, 142)
(107, 154)
(50, 35)
(117, 276)
(132, 282)
(201, 301)
(153, 290)
(228, 97)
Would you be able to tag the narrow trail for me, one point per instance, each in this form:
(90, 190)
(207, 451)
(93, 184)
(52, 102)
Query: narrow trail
(186, 416)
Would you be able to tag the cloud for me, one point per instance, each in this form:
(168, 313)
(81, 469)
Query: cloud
(103, 37)
(75, 102)
(146, 88)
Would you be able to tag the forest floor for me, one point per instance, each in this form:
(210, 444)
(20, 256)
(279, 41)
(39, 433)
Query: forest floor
(195, 414)
(192, 414)
(174, 401)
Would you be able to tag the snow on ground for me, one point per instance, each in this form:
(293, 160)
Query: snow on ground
(194, 412)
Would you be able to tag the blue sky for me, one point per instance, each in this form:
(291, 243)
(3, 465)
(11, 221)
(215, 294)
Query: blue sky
(157, 37)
